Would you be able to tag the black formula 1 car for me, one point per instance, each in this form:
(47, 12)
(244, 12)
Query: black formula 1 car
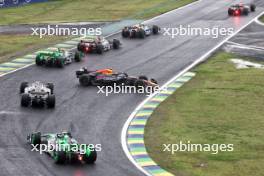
(107, 77)
(63, 148)
(37, 94)
(241, 9)
(97, 44)
(140, 31)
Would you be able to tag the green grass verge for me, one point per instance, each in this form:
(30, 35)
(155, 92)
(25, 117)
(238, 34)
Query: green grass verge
(262, 18)
(18, 45)
(220, 105)
(87, 10)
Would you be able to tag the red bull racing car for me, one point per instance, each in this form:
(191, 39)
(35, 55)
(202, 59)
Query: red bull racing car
(107, 77)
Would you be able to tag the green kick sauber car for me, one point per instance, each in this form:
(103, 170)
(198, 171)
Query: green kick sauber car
(68, 150)
(57, 58)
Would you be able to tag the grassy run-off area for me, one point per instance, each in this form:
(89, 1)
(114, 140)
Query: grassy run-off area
(73, 11)
(18, 45)
(221, 105)
(262, 18)
(87, 10)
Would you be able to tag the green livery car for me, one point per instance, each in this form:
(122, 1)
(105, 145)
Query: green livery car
(57, 58)
(63, 148)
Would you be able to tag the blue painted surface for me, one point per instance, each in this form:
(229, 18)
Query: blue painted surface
(12, 3)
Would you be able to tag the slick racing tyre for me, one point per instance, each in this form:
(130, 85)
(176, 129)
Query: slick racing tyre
(23, 86)
(60, 157)
(90, 159)
(36, 138)
(85, 80)
(25, 100)
(51, 101)
(155, 30)
(116, 44)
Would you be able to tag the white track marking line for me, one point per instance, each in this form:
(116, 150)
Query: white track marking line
(253, 47)
(131, 117)
(259, 22)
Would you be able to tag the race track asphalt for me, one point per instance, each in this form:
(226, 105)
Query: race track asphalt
(95, 118)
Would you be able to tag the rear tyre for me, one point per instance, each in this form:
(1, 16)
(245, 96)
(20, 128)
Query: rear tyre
(99, 49)
(51, 101)
(85, 80)
(141, 34)
(25, 100)
(155, 30)
(246, 12)
(116, 44)
(36, 138)
(79, 48)
(23, 86)
(91, 158)
(60, 157)
(39, 61)
(60, 62)
(230, 12)
(125, 33)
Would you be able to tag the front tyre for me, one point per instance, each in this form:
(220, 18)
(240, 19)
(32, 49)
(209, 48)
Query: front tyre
(85, 80)
(155, 30)
(77, 56)
(36, 138)
(23, 86)
(252, 7)
(25, 100)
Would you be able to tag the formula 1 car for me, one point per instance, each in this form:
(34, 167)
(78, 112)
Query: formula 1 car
(37, 94)
(66, 150)
(107, 77)
(57, 58)
(241, 9)
(140, 31)
(97, 44)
